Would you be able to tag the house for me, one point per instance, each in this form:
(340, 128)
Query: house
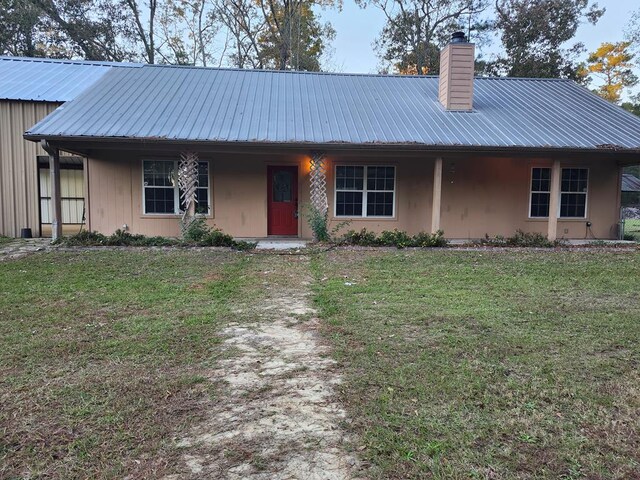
(630, 190)
(30, 89)
(469, 156)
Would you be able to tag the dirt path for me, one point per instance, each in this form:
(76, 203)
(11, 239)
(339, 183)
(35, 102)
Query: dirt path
(277, 418)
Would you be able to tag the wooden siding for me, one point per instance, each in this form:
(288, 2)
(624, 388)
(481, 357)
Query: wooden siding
(18, 166)
(455, 88)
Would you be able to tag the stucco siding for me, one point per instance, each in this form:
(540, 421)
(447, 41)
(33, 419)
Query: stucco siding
(491, 196)
(479, 195)
(18, 166)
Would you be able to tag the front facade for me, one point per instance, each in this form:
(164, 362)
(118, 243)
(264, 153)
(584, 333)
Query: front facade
(254, 195)
(468, 156)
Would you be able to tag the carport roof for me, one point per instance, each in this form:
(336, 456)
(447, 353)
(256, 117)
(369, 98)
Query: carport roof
(47, 80)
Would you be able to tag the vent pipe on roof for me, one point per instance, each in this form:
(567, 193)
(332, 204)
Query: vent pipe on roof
(457, 59)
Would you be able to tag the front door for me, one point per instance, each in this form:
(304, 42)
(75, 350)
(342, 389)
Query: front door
(283, 200)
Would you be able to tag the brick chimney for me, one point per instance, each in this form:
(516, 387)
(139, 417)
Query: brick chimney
(455, 90)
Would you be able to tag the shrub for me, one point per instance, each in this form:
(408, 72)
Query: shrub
(424, 239)
(318, 223)
(393, 238)
(83, 239)
(195, 230)
(120, 238)
(208, 238)
(521, 239)
(363, 238)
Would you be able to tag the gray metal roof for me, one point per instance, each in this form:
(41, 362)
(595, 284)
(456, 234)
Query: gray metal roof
(257, 106)
(47, 80)
(630, 183)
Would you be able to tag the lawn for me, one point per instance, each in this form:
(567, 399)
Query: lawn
(456, 364)
(632, 227)
(103, 358)
(4, 240)
(488, 364)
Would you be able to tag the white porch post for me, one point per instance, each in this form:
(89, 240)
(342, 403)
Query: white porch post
(318, 179)
(437, 195)
(56, 201)
(554, 201)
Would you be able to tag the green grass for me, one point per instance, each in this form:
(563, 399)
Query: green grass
(104, 357)
(488, 364)
(4, 240)
(632, 227)
(501, 365)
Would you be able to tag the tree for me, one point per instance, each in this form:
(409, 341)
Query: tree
(188, 30)
(279, 34)
(534, 33)
(141, 31)
(19, 34)
(294, 38)
(612, 63)
(632, 32)
(416, 29)
(93, 29)
(633, 106)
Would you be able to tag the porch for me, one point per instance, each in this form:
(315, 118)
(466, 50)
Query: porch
(245, 192)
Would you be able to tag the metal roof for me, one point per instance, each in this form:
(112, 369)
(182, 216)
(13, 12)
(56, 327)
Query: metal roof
(258, 106)
(630, 183)
(47, 80)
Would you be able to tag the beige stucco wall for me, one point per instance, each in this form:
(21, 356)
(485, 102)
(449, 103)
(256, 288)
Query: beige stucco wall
(491, 196)
(19, 204)
(479, 196)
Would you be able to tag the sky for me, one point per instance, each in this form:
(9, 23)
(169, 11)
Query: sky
(356, 29)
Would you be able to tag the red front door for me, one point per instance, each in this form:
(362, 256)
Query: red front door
(283, 200)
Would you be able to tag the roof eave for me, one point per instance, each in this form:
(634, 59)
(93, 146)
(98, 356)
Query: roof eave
(604, 150)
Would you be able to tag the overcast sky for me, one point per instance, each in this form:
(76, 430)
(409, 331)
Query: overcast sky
(356, 29)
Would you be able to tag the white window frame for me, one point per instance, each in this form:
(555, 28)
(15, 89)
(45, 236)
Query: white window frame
(176, 189)
(585, 193)
(531, 191)
(586, 201)
(364, 191)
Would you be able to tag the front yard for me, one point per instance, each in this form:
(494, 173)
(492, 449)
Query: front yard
(489, 364)
(456, 364)
(101, 358)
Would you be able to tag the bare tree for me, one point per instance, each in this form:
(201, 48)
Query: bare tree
(143, 17)
(188, 30)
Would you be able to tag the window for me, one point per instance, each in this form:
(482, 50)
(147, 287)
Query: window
(573, 192)
(365, 191)
(540, 192)
(161, 194)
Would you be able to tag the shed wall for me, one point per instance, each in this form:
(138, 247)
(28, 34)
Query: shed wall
(18, 166)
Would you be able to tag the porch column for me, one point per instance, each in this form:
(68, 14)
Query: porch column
(56, 201)
(318, 179)
(437, 195)
(554, 201)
